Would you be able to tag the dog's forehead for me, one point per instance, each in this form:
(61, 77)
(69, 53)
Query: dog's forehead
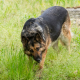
(33, 42)
(35, 45)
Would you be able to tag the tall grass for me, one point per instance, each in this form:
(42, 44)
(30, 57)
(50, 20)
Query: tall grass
(13, 64)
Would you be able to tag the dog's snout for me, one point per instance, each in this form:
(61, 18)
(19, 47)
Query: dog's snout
(38, 59)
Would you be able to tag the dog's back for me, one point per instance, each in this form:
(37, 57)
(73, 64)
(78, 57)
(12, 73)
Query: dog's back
(58, 21)
(54, 18)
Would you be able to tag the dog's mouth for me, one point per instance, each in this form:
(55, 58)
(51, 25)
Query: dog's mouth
(37, 59)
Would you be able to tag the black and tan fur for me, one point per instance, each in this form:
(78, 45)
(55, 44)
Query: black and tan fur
(41, 32)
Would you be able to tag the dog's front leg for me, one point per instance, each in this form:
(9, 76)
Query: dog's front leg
(43, 59)
(41, 65)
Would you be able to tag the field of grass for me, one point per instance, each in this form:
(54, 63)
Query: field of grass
(13, 64)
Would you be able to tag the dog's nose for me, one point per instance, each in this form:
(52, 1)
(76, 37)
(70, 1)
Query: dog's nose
(38, 60)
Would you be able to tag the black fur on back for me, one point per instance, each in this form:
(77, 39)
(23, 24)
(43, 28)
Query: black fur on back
(54, 17)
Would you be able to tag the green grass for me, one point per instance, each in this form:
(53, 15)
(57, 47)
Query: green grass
(13, 64)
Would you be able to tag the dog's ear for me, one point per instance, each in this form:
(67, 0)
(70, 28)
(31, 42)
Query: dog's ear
(39, 37)
(29, 22)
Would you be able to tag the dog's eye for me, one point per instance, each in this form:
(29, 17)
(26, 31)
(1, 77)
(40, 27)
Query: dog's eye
(37, 49)
(31, 50)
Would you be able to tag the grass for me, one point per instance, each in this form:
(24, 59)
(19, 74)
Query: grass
(13, 64)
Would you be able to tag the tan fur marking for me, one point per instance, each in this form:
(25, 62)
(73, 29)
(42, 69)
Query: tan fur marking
(65, 36)
(43, 59)
(26, 52)
(36, 45)
(48, 41)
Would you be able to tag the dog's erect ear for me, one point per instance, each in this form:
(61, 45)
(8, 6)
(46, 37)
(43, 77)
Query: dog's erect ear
(29, 22)
(39, 37)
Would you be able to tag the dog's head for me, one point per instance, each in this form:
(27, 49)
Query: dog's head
(33, 39)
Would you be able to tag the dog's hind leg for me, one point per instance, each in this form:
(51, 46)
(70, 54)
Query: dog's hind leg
(66, 42)
(55, 45)
(65, 36)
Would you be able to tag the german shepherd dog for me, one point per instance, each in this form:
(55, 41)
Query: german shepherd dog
(39, 33)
